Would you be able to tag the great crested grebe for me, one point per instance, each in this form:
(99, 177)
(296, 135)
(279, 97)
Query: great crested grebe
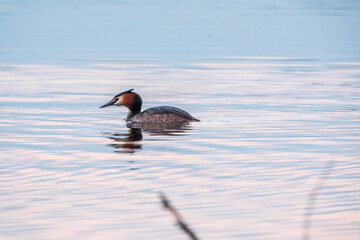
(161, 114)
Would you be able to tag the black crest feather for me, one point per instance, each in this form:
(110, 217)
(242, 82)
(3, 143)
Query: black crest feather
(128, 91)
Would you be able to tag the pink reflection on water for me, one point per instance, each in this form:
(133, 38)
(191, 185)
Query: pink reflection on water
(243, 172)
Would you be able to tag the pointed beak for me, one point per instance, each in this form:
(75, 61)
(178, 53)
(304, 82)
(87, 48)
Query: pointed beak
(107, 104)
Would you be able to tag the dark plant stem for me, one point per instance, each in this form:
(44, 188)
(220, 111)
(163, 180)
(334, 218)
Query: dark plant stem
(312, 199)
(179, 219)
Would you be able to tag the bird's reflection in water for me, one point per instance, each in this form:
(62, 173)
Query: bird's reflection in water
(130, 142)
(125, 142)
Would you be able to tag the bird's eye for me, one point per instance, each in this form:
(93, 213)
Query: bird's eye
(115, 100)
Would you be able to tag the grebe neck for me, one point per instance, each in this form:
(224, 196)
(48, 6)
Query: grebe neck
(131, 113)
(134, 109)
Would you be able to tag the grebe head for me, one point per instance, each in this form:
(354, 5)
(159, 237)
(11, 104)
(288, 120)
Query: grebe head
(129, 99)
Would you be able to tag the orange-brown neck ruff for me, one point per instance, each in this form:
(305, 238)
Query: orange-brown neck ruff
(127, 99)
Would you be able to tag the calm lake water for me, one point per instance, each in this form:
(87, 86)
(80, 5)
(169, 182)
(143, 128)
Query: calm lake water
(276, 88)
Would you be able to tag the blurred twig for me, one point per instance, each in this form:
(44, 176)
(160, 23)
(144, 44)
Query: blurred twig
(179, 219)
(312, 199)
